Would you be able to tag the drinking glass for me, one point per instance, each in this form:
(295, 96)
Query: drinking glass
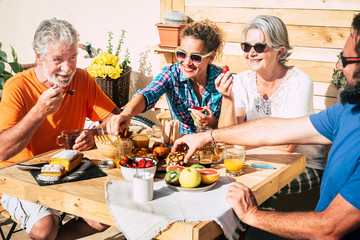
(206, 157)
(67, 138)
(234, 159)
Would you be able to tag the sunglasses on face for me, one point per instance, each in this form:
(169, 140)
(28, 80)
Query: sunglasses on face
(194, 57)
(258, 47)
(347, 60)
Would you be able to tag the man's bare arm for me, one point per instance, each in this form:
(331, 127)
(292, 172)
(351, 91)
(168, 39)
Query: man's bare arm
(14, 139)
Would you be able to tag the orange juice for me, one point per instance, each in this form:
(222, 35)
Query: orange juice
(233, 164)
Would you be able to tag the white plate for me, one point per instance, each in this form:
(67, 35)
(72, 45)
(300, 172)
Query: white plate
(202, 188)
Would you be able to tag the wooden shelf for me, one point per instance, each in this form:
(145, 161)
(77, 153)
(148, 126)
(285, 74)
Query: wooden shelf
(160, 50)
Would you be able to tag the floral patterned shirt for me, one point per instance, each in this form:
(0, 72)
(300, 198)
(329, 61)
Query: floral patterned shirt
(180, 94)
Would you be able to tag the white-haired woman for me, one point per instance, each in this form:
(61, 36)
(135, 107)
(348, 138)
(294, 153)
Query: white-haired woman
(270, 88)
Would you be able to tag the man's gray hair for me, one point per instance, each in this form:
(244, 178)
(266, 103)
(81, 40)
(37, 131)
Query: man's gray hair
(54, 31)
(275, 33)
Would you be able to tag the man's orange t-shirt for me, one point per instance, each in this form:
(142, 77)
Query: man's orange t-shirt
(21, 93)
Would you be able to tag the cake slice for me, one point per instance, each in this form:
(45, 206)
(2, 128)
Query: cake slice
(70, 159)
(51, 173)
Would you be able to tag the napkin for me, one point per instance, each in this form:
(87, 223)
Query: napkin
(146, 220)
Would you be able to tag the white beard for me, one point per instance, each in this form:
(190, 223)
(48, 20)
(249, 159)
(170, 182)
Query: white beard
(57, 81)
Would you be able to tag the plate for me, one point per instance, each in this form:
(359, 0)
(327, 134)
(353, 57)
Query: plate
(86, 170)
(201, 188)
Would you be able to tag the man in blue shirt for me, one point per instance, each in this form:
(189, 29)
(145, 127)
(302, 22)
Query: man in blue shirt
(337, 215)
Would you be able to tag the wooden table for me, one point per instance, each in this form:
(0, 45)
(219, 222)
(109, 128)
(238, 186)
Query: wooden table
(87, 198)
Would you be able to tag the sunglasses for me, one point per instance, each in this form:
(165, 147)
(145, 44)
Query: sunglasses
(194, 57)
(347, 60)
(258, 47)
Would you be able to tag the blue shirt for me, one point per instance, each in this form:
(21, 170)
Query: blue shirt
(180, 94)
(341, 125)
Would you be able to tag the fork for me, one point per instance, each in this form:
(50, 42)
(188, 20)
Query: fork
(71, 92)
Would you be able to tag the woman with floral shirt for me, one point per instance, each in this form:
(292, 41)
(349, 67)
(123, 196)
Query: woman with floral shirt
(186, 83)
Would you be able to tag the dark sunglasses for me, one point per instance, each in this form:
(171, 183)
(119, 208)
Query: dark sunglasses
(194, 57)
(347, 60)
(259, 47)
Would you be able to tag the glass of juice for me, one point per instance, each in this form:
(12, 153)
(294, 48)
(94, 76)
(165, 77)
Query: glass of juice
(234, 159)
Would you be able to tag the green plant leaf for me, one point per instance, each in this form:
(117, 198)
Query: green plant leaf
(3, 56)
(16, 67)
(2, 68)
(15, 57)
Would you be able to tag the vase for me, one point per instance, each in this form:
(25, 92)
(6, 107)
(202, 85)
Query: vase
(116, 89)
(169, 35)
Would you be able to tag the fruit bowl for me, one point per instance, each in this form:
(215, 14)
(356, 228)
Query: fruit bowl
(129, 172)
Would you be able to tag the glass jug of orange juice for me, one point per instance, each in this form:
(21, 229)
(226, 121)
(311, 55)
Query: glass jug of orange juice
(234, 159)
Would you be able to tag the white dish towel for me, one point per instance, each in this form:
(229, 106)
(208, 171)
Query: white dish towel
(146, 220)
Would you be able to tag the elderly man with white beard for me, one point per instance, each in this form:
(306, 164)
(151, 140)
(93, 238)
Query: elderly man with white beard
(337, 214)
(35, 108)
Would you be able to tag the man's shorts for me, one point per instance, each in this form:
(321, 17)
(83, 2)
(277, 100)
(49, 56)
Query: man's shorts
(25, 212)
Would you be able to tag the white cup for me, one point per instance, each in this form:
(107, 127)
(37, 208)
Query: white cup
(143, 187)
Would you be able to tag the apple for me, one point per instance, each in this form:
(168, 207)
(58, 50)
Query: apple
(190, 178)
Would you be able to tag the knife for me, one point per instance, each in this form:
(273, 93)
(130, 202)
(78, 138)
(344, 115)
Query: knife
(25, 167)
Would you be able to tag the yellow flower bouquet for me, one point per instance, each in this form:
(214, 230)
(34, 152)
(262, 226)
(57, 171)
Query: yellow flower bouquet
(106, 64)
(112, 75)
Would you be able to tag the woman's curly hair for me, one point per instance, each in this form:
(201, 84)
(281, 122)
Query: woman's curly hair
(212, 36)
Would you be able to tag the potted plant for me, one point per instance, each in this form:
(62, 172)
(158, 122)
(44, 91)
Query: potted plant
(111, 74)
(14, 66)
(338, 77)
(169, 30)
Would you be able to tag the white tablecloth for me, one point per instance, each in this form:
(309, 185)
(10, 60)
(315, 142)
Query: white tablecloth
(146, 220)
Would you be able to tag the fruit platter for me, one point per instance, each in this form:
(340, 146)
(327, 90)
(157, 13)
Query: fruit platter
(195, 178)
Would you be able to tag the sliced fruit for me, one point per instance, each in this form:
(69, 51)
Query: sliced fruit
(197, 166)
(180, 168)
(172, 177)
(197, 108)
(209, 176)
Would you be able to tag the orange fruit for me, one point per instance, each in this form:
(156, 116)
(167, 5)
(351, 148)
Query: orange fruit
(209, 175)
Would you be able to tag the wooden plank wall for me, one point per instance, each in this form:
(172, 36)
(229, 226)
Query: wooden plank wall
(317, 30)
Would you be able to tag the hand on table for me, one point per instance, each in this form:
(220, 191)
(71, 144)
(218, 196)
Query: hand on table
(84, 141)
(242, 201)
(224, 84)
(204, 120)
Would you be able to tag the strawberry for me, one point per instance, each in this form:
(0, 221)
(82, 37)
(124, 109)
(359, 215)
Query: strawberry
(133, 165)
(149, 164)
(225, 69)
(141, 163)
(122, 162)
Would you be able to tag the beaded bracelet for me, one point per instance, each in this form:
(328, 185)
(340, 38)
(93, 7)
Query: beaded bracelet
(213, 139)
(216, 152)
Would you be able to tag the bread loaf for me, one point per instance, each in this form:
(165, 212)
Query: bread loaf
(70, 159)
(51, 173)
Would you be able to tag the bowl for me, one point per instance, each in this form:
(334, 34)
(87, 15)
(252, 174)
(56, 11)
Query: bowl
(128, 173)
(141, 140)
(105, 145)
